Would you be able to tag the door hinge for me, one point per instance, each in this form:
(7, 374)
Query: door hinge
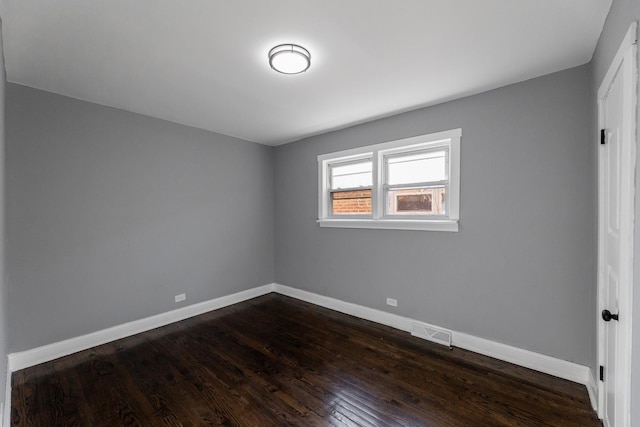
(603, 137)
(601, 373)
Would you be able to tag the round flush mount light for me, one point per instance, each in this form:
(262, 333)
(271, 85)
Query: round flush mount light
(289, 59)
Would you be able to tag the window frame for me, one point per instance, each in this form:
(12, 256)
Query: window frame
(386, 187)
(329, 191)
(378, 153)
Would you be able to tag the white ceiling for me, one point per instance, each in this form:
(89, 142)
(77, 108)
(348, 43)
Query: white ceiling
(204, 62)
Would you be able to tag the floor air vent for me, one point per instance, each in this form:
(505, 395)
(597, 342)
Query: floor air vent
(428, 332)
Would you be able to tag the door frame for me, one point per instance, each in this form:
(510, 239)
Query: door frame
(624, 61)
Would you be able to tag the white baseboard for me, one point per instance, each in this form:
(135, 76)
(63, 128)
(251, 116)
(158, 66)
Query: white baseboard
(539, 362)
(592, 389)
(5, 417)
(378, 316)
(528, 359)
(35, 356)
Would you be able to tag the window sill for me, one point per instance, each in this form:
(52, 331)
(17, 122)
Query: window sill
(391, 224)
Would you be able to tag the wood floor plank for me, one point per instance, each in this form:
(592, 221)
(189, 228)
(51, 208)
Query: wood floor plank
(275, 361)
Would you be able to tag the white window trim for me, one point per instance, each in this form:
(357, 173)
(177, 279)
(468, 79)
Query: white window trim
(377, 220)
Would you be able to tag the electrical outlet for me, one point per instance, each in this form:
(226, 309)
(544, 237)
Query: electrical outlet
(392, 302)
(181, 297)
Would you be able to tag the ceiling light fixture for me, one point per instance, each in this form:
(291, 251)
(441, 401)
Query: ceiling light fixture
(289, 59)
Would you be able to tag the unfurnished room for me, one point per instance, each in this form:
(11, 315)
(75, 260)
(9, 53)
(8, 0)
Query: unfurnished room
(319, 213)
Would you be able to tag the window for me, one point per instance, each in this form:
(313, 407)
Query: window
(350, 184)
(410, 184)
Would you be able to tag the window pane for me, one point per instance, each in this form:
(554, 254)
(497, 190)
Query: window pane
(351, 202)
(417, 201)
(351, 175)
(420, 167)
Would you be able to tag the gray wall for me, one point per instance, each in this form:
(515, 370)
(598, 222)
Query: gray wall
(110, 214)
(519, 271)
(622, 14)
(3, 283)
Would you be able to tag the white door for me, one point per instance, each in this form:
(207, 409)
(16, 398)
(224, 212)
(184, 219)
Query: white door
(616, 213)
(611, 153)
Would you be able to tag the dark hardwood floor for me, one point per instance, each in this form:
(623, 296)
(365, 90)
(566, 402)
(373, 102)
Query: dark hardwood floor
(275, 361)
